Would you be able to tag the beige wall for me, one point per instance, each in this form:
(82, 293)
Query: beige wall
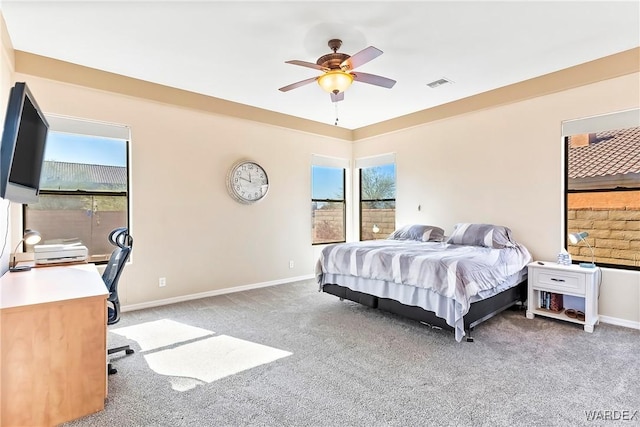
(504, 165)
(185, 226)
(499, 160)
(6, 76)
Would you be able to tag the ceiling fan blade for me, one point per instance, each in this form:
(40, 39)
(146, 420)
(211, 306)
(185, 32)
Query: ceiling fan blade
(362, 57)
(337, 97)
(372, 79)
(306, 64)
(297, 84)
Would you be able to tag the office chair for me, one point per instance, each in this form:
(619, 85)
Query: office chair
(123, 241)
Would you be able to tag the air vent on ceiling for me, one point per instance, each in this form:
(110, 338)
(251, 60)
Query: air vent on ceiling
(439, 82)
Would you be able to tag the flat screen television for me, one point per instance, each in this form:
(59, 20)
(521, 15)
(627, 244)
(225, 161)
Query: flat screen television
(23, 144)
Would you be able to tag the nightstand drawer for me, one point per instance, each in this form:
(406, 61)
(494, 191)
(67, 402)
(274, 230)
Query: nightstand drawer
(561, 281)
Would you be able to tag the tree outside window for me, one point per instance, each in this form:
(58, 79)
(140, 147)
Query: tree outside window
(377, 201)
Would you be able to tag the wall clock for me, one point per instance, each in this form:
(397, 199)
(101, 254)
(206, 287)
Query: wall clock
(247, 182)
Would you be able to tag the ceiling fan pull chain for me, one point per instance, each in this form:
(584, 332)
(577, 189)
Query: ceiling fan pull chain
(335, 104)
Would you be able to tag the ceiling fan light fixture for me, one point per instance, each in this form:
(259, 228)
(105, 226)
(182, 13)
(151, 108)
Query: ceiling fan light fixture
(335, 81)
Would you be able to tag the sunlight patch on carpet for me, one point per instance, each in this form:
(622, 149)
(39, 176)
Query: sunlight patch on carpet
(210, 359)
(161, 333)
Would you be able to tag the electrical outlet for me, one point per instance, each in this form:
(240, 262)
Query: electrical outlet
(162, 282)
(290, 263)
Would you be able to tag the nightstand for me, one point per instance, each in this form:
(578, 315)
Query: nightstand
(571, 288)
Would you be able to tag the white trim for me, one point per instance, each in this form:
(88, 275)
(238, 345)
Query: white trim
(183, 298)
(88, 127)
(157, 303)
(331, 162)
(620, 322)
(618, 120)
(378, 160)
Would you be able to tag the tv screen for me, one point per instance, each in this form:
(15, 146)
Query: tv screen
(23, 145)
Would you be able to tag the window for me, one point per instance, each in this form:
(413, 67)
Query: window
(603, 188)
(328, 206)
(84, 187)
(377, 197)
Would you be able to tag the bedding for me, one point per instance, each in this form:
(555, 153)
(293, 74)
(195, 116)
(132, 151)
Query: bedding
(488, 235)
(440, 277)
(419, 232)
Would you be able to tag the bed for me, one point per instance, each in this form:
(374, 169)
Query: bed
(452, 283)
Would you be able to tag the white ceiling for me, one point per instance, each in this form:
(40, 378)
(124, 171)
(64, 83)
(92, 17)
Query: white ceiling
(237, 50)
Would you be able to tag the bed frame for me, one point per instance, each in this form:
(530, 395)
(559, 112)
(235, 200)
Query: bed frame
(478, 312)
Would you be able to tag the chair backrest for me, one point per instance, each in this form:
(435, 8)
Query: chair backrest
(123, 241)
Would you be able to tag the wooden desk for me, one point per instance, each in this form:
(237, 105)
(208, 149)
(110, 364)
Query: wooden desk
(53, 345)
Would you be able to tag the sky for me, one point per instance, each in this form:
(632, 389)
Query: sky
(73, 148)
(326, 182)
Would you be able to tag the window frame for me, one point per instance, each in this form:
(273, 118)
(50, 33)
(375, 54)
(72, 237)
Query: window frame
(611, 121)
(337, 163)
(371, 162)
(90, 128)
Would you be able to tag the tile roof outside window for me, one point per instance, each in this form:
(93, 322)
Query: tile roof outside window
(614, 152)
(81, 176)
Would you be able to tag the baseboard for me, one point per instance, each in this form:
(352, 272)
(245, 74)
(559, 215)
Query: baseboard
(182, 298)
(157, 303)
(620, 322)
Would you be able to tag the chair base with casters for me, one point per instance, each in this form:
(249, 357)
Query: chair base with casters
(113, 311)
(127, 350)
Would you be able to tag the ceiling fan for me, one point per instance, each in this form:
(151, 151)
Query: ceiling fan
(338, 71)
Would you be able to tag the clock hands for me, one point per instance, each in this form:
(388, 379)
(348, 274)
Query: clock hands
(249, 179)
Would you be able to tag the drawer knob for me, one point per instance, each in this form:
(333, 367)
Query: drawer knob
(557, 280)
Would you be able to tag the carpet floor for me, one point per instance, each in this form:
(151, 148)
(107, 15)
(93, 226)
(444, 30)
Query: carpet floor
(288, 355)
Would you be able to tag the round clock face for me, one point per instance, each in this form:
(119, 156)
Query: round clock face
(247, 182)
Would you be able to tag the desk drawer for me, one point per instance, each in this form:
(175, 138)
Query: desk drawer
(560, 281)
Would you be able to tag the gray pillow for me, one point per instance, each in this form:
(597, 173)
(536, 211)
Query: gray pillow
(419, 232)
(487, 235)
